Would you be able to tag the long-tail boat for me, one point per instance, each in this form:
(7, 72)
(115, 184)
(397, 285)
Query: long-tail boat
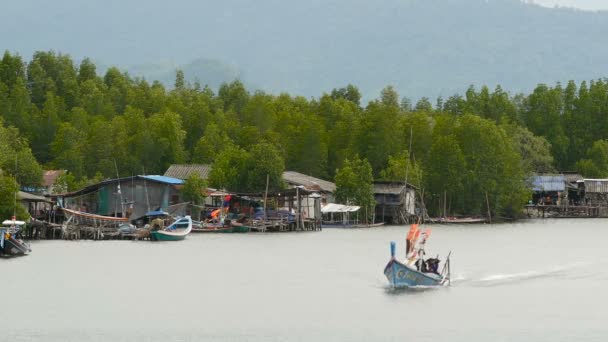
(415, 270)
(10, 245)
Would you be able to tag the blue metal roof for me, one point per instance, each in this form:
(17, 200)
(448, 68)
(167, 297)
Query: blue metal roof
(548, 183)
(164, 179)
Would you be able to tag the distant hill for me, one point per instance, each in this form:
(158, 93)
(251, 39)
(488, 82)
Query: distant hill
(422, 47)
(205, 71)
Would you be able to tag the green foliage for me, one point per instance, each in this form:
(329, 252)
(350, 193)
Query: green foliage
(180, 81)
(596, 163)
(230, 169)
(266, 160)
(494, 167)
(67, 182)
(401, 168)
(8, 206)
(16, 158)
(211, 144)
(354, 185)
(481, 142)
(535, 151)
(349, 93)
(445, 175)
(194, 189)
(236, 169)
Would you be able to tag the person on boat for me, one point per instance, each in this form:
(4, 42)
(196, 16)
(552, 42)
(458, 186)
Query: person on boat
(432, 265)
(421, 265)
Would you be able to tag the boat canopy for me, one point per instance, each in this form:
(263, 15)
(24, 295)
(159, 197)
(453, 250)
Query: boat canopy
(12, 223)
(157, 213)
(339, 208)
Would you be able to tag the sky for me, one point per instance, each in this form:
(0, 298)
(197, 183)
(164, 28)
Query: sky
(582, 4)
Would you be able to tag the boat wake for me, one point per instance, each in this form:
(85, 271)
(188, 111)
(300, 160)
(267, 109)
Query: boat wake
(569, 271)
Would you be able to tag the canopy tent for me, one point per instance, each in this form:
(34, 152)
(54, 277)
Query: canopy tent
(339, 208)
(13, 223)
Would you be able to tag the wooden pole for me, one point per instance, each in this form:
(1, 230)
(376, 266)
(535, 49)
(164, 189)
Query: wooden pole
(298, 208)
(266, 196)
(488, 205)
(445, 214)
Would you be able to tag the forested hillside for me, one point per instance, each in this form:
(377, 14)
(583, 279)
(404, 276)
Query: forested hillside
(421, 47)
(69, 117)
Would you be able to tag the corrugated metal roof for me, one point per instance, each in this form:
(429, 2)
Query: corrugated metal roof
(339, 208)
(26, 196)
(309, 182)
(596, 185)
(393, 188)
(183, 171)
(572, 177)
(163, 179)
(548, 183)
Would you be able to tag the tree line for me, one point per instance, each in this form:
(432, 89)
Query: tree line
(463, 152)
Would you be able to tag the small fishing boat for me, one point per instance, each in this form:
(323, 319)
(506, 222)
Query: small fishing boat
(415, 271)
(10, 245)
(176, 231)
(456, 220)
(232, 227)
(350, 225)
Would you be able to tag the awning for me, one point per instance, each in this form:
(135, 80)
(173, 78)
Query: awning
(26, 196)
(13, 223)
(339, 208)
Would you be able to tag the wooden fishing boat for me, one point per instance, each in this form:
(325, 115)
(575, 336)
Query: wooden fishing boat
(10, 245)
(219, 228)
(88, 217)
(176, 231)
(415, 271)
(350, 225)
(456, 220)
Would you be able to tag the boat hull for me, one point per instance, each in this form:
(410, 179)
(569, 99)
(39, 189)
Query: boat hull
(350, 226)
(14, 247)
(175, 232)
(400, 275)
(239, 229)
(161, 236)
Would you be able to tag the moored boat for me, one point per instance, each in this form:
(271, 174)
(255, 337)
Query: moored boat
(220, 228)
(415, 271)
(350, 225)
(10, 245)
(456, 220)
(176, 231)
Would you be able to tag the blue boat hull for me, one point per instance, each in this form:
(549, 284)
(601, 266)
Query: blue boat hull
(400, 275)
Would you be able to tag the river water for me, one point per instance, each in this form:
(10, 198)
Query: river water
(540, 280)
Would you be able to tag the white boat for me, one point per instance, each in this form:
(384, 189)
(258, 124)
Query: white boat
(10, 245)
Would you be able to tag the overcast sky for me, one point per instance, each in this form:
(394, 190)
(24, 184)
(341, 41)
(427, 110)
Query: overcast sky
(582, 4)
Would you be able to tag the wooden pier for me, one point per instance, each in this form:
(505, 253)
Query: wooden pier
(566, 211)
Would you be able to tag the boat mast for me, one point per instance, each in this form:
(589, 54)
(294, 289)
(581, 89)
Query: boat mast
(146, 189)
(122, 202)
(407, 167)
(15, 201)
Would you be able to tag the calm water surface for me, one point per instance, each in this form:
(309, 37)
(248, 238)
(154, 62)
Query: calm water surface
(543, 280)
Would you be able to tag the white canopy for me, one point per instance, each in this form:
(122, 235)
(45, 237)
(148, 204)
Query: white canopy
(12, 222)
(339, 208)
